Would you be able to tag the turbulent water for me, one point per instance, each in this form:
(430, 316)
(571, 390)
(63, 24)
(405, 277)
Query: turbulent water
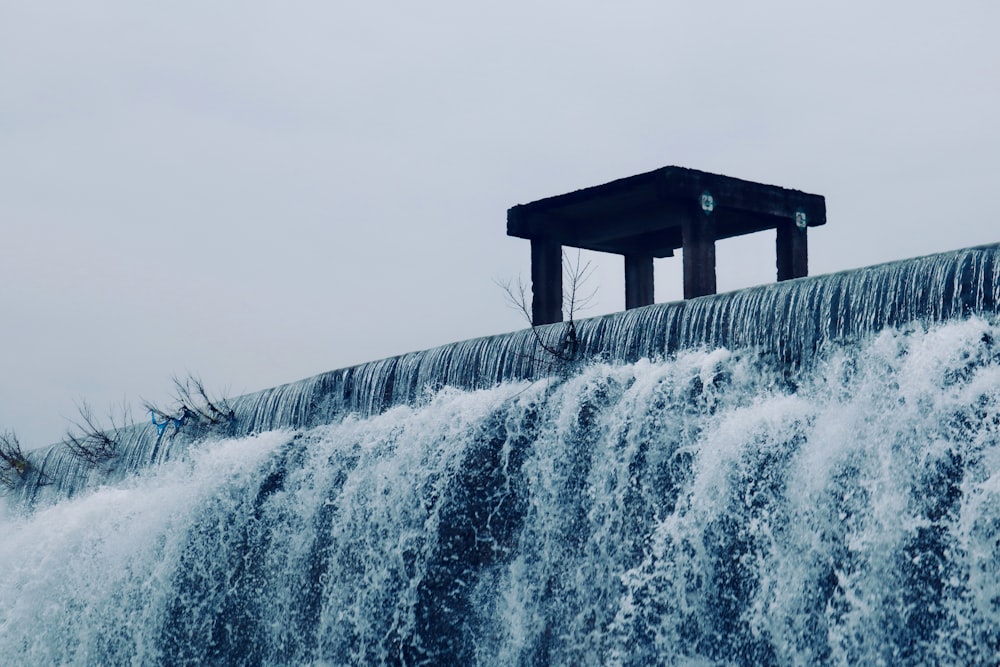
(821, 489)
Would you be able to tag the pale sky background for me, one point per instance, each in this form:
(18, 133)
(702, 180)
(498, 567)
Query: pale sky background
(258, 192)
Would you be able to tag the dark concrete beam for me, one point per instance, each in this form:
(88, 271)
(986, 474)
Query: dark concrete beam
(608, 216)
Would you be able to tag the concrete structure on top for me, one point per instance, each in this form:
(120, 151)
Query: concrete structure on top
(652, 215)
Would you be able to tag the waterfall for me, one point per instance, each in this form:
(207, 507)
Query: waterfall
(800, 473)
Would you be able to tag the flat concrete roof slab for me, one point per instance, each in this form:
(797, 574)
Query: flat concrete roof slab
(643, 214)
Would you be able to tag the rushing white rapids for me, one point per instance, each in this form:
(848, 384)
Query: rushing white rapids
(717, 505)
(703, 507)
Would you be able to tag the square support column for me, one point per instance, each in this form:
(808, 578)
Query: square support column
(792, 250)
(546, 282)
(638, 281)
(698, 235)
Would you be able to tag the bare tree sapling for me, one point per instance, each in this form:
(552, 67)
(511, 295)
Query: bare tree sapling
(560, 346)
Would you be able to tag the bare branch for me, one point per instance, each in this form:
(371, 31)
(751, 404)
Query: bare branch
(563, 347)
(195, 402)
(13, 463)
(516, 297)
(155, 411)
(90, 441)
(576, 296)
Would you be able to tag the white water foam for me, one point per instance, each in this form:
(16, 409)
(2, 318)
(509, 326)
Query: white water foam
(709, 508)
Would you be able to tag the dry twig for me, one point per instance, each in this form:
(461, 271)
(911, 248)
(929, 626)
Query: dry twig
(90, 441)
(565, 347)
(13, 463)
(195, 402)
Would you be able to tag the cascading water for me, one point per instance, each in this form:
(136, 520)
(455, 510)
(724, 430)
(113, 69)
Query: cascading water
(798, 474)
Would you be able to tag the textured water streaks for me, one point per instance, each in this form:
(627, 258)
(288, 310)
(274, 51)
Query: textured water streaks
(713, 507)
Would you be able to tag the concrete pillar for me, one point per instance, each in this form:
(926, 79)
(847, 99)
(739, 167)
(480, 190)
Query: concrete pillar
(638, 280)
(546, 282)
(792, 251)
(698, 236)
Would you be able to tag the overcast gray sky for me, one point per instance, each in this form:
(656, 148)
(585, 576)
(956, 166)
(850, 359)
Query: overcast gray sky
(260, 191)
